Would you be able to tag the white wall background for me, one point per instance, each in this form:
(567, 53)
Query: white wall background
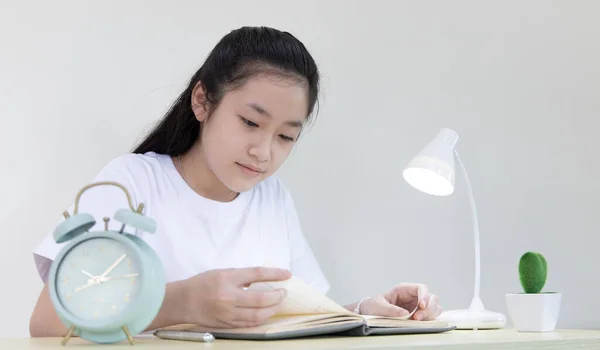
(519, 81)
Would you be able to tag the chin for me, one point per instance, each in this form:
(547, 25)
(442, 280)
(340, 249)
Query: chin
(239, 181)
(242, 185)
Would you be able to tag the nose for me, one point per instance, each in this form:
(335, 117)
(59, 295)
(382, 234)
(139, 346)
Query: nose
(261, 149)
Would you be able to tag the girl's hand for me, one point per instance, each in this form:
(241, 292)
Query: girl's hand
(402, 300)
(217, 298)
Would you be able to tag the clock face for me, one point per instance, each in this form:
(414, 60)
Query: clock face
(98, 279)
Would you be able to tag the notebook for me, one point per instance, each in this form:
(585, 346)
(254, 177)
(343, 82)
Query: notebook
(307, 312)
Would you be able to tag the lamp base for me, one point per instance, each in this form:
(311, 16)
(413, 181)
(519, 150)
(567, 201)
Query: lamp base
(467, 319)
(475, 317)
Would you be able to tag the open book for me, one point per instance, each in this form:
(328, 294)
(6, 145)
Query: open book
(306, 312)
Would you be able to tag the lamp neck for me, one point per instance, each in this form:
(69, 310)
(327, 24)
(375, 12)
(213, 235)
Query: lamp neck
(475, 222)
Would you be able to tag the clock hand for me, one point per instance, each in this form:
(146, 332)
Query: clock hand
(100, 279)
(87, 273)
(118, 277)
(111, 267)
(90, 283)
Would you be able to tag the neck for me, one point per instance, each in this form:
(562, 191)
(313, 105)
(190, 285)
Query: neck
(200, 178)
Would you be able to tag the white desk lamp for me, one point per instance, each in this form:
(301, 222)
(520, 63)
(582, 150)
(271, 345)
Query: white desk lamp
(432, 172)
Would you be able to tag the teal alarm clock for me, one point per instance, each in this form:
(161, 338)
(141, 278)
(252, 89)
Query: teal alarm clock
(106, 286)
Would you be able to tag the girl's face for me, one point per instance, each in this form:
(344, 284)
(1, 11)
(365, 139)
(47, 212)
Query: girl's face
(253, 130)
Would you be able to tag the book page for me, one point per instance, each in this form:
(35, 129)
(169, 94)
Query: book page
(401, 322)
(301, 320)
(302, 299)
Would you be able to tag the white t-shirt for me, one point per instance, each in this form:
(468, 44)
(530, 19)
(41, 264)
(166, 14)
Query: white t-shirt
(195, 234)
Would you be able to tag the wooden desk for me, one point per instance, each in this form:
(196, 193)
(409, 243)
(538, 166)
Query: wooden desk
(458, 339)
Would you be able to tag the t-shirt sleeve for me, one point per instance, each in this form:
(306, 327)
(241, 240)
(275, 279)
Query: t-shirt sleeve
(99, 201)
(304, 265)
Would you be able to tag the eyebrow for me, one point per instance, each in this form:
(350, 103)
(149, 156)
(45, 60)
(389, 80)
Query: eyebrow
(262, 111)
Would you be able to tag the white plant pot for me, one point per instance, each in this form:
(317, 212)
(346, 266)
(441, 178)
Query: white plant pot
(534, 312)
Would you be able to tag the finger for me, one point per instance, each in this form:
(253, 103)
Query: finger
(253, 298)
(438, 312)
(423, 296)
(428, 313)
(406, 292)
(422, 293)
(431, 315)
(380, 307)
(251, 317)
(432, 304)
(249, 275)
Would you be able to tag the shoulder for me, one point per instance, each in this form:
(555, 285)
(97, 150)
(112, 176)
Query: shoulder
(136, 164)
(139, 173)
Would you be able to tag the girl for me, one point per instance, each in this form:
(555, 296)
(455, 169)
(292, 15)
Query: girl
(204, 174)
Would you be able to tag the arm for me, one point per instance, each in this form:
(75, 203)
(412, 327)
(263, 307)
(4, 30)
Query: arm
(213, 298)
(44, 321)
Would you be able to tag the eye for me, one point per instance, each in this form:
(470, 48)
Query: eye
(248, 123)
(286, 138)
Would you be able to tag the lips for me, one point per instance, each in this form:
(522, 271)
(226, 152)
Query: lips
(251, 168)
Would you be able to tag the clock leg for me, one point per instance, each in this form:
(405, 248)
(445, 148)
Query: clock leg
(129, 337)
(68, 336)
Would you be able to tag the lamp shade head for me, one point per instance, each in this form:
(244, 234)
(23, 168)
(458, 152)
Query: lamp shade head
(432, 169)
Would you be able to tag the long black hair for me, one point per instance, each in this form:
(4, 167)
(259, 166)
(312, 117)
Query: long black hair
(239, 55)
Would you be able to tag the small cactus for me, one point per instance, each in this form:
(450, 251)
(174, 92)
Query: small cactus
(533, 271)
